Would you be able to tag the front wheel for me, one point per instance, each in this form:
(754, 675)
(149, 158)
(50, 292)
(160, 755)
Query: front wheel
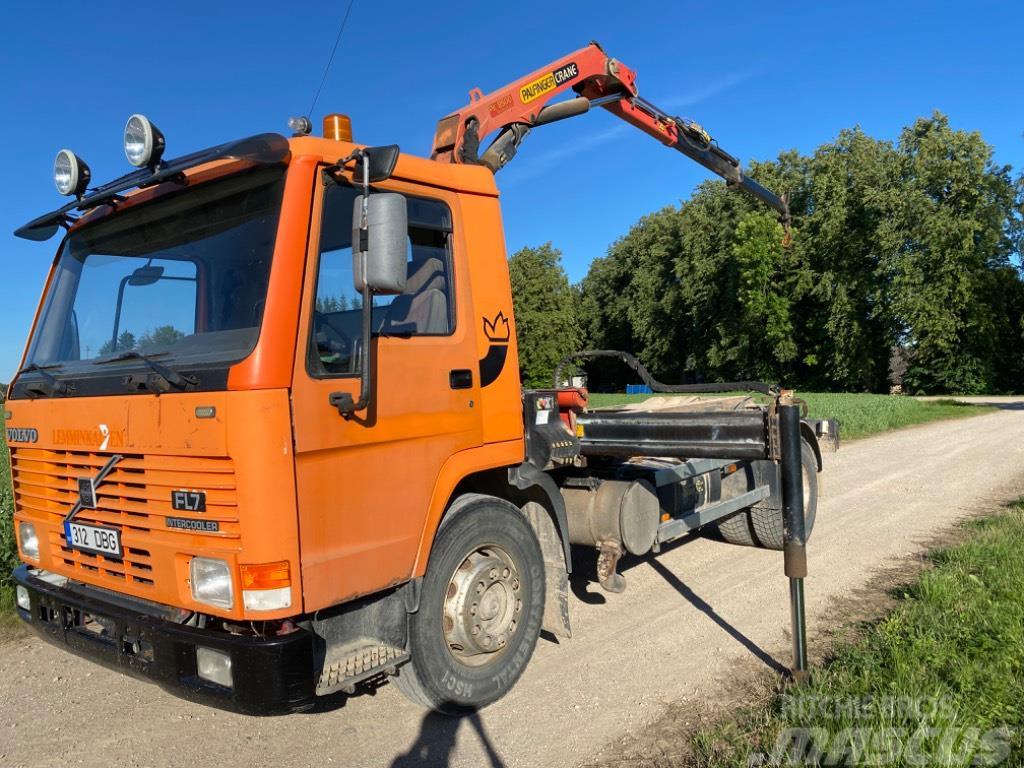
(481, 606)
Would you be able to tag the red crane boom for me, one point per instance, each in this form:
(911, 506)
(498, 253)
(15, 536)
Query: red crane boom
(598, 80)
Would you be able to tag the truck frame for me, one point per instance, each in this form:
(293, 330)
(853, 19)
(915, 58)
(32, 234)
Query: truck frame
(269, 440)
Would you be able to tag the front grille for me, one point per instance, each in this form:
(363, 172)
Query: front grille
(136, 566)
(134, 498)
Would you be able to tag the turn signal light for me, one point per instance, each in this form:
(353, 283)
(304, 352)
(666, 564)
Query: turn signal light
(266, 586)
(266, 575)
(338, 127)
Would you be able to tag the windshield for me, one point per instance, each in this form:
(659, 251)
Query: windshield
(183, 279)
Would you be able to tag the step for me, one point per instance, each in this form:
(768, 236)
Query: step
(352, 664)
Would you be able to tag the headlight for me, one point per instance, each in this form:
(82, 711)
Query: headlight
(29, 541)
(143, 141)
(211, 582)
(70, 173)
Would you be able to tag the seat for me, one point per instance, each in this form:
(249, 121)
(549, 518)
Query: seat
(423, 307)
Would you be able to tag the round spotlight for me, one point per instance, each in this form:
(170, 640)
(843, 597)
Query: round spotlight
(70, 173)
(300, 126)
(143, 142)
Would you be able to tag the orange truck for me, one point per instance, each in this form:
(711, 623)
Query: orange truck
(269, 441)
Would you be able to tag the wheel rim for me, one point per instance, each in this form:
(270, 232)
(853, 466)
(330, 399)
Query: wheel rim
(482, 606)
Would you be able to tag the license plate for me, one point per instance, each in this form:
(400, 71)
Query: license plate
(91, 538)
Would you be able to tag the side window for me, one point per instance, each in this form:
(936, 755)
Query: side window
(425, 308)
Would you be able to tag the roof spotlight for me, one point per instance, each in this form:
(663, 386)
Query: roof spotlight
(70, 173)
(143, 142)
(300, 126)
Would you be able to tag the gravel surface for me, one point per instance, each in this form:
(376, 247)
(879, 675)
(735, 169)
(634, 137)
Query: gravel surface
(686, 622)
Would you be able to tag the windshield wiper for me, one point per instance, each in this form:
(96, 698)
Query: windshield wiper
(50, 384)
(165, 377)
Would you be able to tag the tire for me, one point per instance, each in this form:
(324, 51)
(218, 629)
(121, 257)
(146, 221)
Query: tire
(449, 670)
(762, 527)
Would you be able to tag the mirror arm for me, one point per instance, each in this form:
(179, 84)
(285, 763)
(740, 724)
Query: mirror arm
(343, 400)
(333, 171)
(117, 311)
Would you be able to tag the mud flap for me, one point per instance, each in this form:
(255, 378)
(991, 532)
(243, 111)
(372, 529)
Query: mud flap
(556, 577)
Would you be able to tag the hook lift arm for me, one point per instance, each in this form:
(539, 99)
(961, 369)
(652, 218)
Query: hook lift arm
(599, 81)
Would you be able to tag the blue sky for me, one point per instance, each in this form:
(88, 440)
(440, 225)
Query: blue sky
(762, 77)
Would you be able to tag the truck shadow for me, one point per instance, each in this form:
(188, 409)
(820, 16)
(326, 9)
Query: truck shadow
(436, 741)
(581, 582)
(704, 607)
(584, 585)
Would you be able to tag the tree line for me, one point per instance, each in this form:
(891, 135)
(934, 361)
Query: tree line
(904, 268)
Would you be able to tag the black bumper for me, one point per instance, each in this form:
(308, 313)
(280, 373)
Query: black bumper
(270, 676)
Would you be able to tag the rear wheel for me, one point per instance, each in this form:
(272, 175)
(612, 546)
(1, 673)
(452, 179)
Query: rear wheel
(481, 606)
(762, 527)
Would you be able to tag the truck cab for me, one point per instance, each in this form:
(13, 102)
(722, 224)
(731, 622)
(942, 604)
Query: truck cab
(179, 393)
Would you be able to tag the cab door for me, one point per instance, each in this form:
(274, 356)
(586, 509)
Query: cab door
(365, 483)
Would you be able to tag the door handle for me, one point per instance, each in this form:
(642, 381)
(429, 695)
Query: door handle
(460, 378)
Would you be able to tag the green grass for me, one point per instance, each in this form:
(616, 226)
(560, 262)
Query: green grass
(944, 671)
(10, 625)
(858, 415)
(8, 548)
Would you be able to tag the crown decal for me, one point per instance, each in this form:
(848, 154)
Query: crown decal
(497, 330)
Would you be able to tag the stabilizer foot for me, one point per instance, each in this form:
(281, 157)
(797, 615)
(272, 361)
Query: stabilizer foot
(607, 563)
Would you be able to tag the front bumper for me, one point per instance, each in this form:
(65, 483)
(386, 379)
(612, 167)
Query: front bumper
(271, 676)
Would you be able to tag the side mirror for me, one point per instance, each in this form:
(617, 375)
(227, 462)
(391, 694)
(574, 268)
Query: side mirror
(381, 162)
(379, 251)
(146, 275)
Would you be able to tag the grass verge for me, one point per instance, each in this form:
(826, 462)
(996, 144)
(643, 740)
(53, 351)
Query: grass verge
(8, 549)
(938, 681)
(858, 415)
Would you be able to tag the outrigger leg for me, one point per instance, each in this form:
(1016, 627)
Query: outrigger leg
(794, 535)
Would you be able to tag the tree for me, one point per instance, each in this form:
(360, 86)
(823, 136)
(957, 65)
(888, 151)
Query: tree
(629, 298)
(547, 328)
(952, 255)
(850, 191)
(913, 246)
(126, 340)
(161, 336)
(766, 297)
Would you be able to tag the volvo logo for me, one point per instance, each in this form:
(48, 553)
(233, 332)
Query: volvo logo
(87, 492)
(22, 435)
(87, 489)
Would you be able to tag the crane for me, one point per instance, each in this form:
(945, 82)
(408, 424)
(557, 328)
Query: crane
(598, 81)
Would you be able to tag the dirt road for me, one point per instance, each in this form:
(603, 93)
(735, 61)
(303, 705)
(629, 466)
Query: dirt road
(684, 623)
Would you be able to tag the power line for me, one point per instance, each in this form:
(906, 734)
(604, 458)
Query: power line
(330, 61)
